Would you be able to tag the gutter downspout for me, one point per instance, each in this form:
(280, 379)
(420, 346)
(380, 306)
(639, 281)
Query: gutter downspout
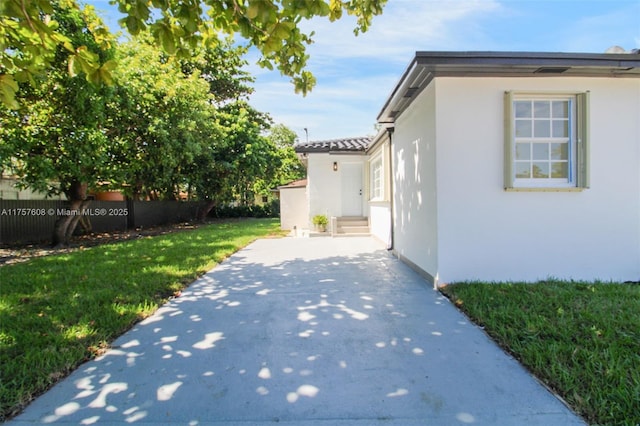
(391, 194)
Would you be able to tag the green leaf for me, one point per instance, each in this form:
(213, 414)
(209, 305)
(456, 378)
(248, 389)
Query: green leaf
(253, 10)
(304, 83)
(335, 10)
(8, 90)
(133, 24)
(141, 10)
(160, 4)
(63, 40)
(167, 41)
(11, 9)
(72, 68)
(103, 75)
(265, 63)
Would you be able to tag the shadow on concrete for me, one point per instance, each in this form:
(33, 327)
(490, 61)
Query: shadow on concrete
(303, 330)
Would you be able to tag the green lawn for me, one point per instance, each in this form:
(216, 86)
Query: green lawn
(581, 339)
(59, 311)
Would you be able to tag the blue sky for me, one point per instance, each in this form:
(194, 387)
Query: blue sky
(356, 74)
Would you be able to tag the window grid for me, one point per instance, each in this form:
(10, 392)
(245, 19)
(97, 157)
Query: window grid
(376, 177)
(543, 140)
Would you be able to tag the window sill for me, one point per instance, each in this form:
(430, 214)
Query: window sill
(378, 201)
(557, 189)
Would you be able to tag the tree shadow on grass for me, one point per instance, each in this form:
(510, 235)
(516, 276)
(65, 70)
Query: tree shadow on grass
(60, 311)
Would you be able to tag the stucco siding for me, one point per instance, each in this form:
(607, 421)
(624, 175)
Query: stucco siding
(324, 184)
(489, 234)
(380, 208)
(414, 156)
(380, 221)
(8, 191)
(294, 209)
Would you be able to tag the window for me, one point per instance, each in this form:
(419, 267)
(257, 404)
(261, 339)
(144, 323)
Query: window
(546, 140)
(377, 182)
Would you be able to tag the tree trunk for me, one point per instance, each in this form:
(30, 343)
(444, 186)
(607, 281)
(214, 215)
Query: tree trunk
(66, 223)
(75, 220)
(204, 210)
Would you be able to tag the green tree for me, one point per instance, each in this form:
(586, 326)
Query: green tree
(29, 35)
(160, 121)
(228, 170)
(33, 38)
(222, 67)
(289, 168)
(57, 141)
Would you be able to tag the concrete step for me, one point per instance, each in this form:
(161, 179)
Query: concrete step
(352, 226)
(353, 229)
(353, 221)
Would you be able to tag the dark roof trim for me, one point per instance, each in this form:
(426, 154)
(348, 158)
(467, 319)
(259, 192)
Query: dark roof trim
(380, 137)
(347, 145)
(615, 60)
(427, 65)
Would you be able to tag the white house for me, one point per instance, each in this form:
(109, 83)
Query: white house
(10, 191)
(500, 166)
(336, 182)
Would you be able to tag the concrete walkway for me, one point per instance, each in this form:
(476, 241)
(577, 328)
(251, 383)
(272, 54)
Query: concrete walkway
(315, 331)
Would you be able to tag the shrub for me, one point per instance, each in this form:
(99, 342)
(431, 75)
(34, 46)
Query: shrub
(320, 220)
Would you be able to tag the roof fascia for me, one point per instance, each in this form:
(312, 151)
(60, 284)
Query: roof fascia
(381, 137)
(425, 66)
(309, 150)
(613, 60)
(401, 82)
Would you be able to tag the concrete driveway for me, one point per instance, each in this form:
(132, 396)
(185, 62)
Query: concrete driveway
(315, 331)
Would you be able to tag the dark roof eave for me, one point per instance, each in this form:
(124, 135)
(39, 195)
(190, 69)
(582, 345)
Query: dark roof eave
(427, 65)
(615, 60)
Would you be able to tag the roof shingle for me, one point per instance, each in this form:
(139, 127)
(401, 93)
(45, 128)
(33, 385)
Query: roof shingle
(335, 145)
(295, 184)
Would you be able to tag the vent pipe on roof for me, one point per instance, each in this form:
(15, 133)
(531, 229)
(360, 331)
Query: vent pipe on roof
(615, 49)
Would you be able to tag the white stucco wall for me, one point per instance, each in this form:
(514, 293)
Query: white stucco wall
(380, 221)
(8, 191)
(324, 184)
(414, 154)
(380, 209)
(294, 209)
(489, 234)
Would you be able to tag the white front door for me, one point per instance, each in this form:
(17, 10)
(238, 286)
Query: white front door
(351, 189)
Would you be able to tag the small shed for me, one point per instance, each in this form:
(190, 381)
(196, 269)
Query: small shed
(294, 208)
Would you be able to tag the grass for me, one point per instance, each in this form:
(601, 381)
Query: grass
(581, 339)
(61, 310)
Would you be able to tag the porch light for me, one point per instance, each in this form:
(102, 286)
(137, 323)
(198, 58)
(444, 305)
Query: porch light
(335, 166)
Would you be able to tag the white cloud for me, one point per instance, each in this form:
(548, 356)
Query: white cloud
(404, 26)
(595, 33)
(356, 74)
(337, 108)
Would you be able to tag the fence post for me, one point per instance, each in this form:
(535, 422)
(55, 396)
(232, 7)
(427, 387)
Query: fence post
(131, 217)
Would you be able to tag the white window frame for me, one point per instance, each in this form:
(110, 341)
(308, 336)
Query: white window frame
(376, 174)
(577, 140)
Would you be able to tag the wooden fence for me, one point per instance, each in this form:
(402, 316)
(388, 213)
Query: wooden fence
(23, 221)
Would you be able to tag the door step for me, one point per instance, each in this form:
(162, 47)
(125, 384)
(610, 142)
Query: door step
(351, 226)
